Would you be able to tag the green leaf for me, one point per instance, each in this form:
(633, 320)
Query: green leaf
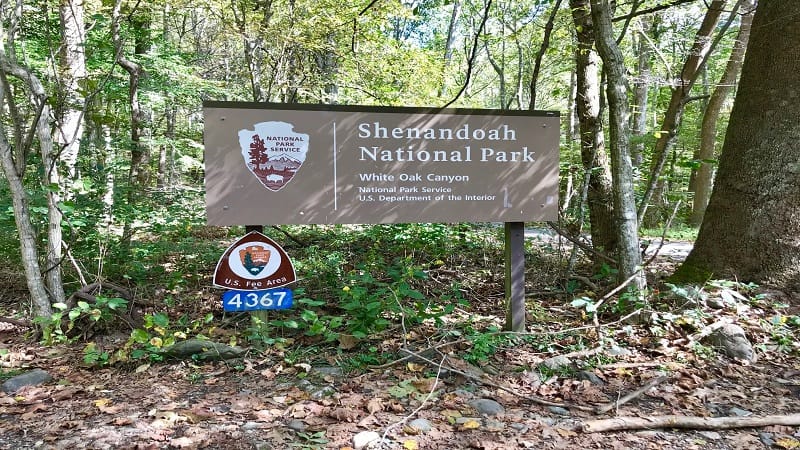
(308, 315)
(140, 336)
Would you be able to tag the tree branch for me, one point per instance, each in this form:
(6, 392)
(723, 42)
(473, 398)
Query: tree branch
(471, 61)
(687, 422)
(651, 10)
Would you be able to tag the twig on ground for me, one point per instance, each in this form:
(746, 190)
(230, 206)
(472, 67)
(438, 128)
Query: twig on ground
(496, 333)
(687, 422)
(424, 401)
(626, 398)
(529, 398)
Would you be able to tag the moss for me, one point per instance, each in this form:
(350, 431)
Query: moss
(690, 273)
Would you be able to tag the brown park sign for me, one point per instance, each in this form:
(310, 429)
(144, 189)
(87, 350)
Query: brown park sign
(304, 164)
(252, 263)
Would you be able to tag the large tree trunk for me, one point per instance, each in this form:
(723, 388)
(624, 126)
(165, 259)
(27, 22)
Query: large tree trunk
(593, 150)
(696, 59)
(708, 129)
(751, 229)
(628, 256)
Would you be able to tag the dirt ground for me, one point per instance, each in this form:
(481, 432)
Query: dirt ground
(261, 402)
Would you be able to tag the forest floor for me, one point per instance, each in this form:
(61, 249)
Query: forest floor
(553, 386)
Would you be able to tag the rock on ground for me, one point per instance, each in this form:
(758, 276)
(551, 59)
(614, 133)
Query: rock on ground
(32, 378)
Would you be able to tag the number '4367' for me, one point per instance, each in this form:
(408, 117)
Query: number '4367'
(280, 298)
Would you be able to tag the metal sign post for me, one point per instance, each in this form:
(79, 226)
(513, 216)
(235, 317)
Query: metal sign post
(515, 275)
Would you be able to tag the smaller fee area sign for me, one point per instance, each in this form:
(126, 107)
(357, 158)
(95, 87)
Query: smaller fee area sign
(256, 268)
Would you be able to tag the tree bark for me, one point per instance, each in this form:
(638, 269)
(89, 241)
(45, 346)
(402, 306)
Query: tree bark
(593, 151)
(751, 229)
(708, 128)
(628, 255)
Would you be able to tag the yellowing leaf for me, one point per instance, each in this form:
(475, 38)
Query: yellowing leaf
(470, 424)
(102, 402)
(410, 445)
(787, 443)
(566, 433)
(451, 415)
(414, 367)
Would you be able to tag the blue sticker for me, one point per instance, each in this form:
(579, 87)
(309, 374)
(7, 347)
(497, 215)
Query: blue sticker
(279, 298)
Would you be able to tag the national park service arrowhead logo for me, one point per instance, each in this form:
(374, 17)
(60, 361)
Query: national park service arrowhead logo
(254, 262)
(273, 152)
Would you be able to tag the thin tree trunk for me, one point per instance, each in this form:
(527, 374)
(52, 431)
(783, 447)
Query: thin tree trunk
(73, 71)
(628, 255)
(593, 152)
(708, 129)
(54, 253)
(13, 164)
(641, 92)
(448, 48)
(165, 149)
(537, 64)
(135, 72)
(703, 45)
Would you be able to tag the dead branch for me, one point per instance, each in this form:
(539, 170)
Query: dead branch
(687, 422)
(17, 322)
(87, 292)
(625, 399)
(583, 246)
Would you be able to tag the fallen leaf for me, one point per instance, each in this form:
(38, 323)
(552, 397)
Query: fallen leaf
(305, 366)
(120, 421)
(344, 414)
(375, 405)
(101, 402)
(181, 442)
(451, 415)
(471, 424)
(347, 341)
(566, 433)
(425, 385)
(410, 445)
(110, 409)
(414, 367)
(787, 443)
(142, 368)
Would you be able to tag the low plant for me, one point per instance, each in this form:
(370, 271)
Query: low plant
(66, 325)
